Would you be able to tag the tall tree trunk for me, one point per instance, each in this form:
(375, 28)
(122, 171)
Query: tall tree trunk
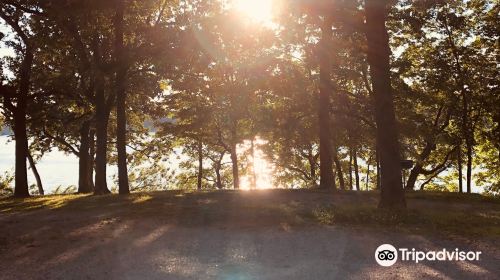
(338, 166)
(253, 183)
(469, 167)
(83, 159)
(466, 126)
(90, 166)
(21, 172)
(367, 183)
(19, 111)
(377, 159)
(325, 154)
(459, 166)
(36, 174)
(356, 167)
(351, 187)
(102, 118)
(121, 96)
(392, 194)
(312, 165)
(200, 164)
(20, 128)
(234, 161)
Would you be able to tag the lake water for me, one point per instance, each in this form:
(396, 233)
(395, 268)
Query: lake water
(56, 168)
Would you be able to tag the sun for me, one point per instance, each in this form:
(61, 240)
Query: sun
(260, 11)
(263, 169)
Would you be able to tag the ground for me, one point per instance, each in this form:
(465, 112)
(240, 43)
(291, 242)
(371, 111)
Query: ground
(268, 234)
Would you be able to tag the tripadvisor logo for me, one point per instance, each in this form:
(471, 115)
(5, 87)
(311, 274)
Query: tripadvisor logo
(387, 255)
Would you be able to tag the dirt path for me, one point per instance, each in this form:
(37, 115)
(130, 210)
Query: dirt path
(149, 243)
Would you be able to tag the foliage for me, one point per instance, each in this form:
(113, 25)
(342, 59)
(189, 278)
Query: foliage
(6, 184)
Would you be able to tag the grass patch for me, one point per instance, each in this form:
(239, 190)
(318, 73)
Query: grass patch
(447, 213)
(38, 202)
(452, 196)
(475, 223)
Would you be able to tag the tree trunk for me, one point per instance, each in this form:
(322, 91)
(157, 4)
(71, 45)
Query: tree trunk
(412, 178)
(392, 194)
(218, 166)
(121, 96)
(312, 165)
(90, 166)
(325, 154)
(218, 182)
(459, 166)
(338, 166)
(351, 187)
(83, 159)
(102, 118)
(20, 132)
(21, 172)
(234, 161)
(367, 186)
(469, 167)
(356, 168)
(377, 159)
(36, 174)
(200, 164)
(19, 111)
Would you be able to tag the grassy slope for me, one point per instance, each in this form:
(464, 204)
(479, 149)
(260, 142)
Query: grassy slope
(440, 213)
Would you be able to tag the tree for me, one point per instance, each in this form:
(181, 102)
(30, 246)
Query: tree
(121, 96)
(392, 194)
(16, 97)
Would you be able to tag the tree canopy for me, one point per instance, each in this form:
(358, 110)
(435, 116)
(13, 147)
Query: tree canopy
(351, 95)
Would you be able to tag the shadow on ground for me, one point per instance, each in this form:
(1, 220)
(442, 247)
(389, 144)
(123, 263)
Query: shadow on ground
(226, 235)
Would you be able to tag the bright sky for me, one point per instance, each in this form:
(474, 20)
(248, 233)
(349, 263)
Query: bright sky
(260, 11)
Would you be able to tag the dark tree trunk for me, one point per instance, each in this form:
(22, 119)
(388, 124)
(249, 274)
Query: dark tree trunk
(377, 159)
(218, 166)
(412, 178)
(312, 163)
(367, 183)
(200, 164)
(340, 173)
(121, 96)
(19, 110)
(469, 167)
(418, 168)
(459, 166)
(234, 161)
(102, 118)
(392, 193)
(83, 159)
(21, 172)
(325, 154)
(351, 187)
(90, 166)
(20, 131)
(218, 182)
(356, 168)
(36, 174)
